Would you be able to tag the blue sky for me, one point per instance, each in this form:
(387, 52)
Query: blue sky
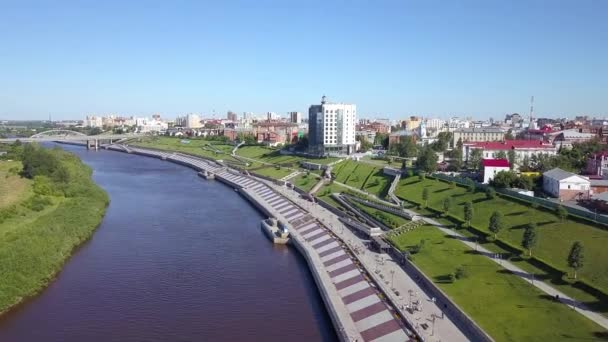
(392, 58)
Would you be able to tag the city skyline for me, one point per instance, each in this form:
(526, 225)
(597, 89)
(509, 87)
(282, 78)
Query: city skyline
(433, 60)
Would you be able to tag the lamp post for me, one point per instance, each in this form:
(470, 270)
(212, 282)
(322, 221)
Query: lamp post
(392, 279)
(410, 293)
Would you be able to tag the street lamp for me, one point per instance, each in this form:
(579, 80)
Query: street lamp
(392, 279)
(410, 291)
(433, 329)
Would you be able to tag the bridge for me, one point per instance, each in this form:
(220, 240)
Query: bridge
(92, 141)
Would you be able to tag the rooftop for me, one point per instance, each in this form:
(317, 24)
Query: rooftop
(510, 145)
(559, 174)
(495, 163)
(481, 130)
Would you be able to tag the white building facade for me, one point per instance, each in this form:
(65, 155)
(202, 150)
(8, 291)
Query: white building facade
(566, 185)
(332, 128)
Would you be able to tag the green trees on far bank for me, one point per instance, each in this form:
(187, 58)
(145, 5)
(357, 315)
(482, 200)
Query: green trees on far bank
(41, 240)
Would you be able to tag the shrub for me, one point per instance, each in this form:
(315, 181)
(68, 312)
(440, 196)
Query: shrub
(461, 273)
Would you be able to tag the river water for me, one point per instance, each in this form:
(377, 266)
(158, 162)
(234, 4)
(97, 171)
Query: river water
(176, 258)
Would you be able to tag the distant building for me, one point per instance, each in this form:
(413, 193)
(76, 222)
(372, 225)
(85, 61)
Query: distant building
(189, 121)
(493, 166)
(295, 117)
(331, 128)
(522, 148)
(231, 116)
(479, 134)
(395, 137)
(93, 121)
(568, 137)
(565, 185)
(597, 164)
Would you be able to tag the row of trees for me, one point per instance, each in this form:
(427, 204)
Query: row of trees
(497, 224)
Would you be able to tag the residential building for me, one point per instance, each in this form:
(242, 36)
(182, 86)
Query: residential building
(274, 132)
(568, 137)
(295, 117)
(231, 116)
(189, 121)
(93, 121)
(522, 148)
(331, 128)
(395, 137)
(412, 123)
(479, 134)
(493, 166)
(435, 124)
(566, 185)
(597, 164)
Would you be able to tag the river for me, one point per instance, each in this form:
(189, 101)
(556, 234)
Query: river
(176, 258)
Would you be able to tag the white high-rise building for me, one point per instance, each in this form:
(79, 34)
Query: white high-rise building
(331, 128)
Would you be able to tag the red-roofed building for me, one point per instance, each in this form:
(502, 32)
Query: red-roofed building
(522, 148)
(493, 166)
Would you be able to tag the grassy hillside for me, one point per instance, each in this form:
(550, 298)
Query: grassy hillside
(555, 237)
(57, 209)
(504, 305)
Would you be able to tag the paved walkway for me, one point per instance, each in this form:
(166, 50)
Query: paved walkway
(389, 275)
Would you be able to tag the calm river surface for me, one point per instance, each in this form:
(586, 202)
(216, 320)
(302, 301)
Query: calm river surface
(176, 258)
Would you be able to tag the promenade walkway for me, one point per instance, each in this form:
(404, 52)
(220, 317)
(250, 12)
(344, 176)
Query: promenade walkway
(429, 322)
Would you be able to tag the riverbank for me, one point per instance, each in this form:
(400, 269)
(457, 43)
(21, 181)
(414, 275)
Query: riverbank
(55, 211)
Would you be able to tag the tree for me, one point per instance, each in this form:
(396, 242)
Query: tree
(406, 147)
(365, 144)
(471, 186)
(443, 141)
(501, 155)
(561, 212)
(525, 164)
(530, 237)
(576, 257)
(496, 223)
(425, 195)
(468, 212)
(509, 135)
(427, 160)
(512, 158)
(381, 139)
(490, 193)
(475, 157)
(421, 176)
(447, 203)
(503, 179)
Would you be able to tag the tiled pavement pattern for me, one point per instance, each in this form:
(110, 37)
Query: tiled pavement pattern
(372, 316)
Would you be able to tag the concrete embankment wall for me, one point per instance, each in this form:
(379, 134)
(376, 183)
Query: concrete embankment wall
(326, 288)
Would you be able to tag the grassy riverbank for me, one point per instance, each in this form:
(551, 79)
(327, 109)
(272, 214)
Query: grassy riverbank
(52, 205)
(504, 305)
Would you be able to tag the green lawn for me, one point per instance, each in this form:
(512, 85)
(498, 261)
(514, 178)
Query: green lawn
(305, 181)
(505, 306)
(555, 237)
(272, 172)
(363, 176)
(273, 155)
(197, 147)
(389, 219)
(13, 188)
